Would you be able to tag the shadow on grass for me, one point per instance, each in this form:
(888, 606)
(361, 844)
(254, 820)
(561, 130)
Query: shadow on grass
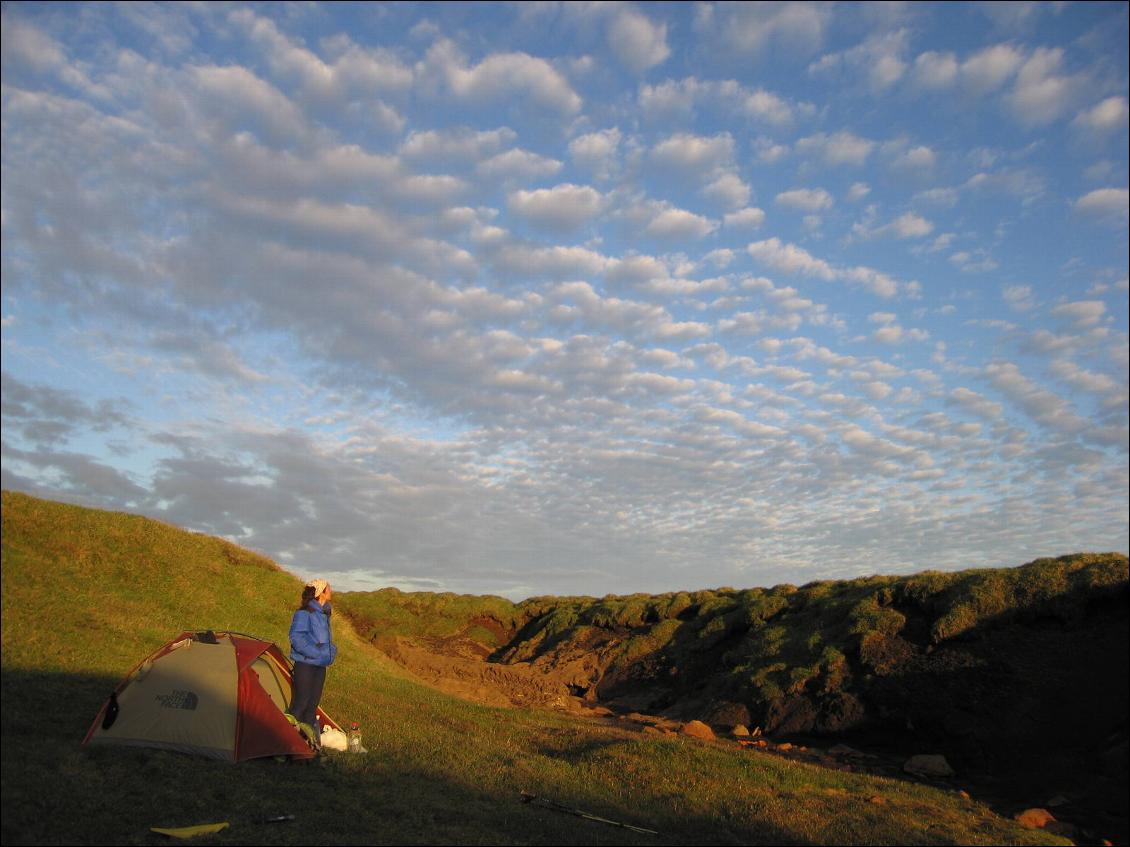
(57, 791)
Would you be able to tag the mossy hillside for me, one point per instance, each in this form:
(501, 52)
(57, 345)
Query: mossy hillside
(761, 644)
(439, 770)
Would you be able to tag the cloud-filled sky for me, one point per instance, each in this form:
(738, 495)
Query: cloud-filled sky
(574, 298)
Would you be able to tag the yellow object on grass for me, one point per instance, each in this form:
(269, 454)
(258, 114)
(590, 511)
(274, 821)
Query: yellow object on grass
(189, 831)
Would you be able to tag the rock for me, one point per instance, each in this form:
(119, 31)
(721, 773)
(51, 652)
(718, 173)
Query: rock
(728, 713)
(1058, 800)
(1034, 818)
(791, 715)
(843, 750)
(756, 732)
(1062, 828)
(840, 711)
(739, 731)
(926, 764)
(650, 730)
(697, 729)
(786, 746)
(877, 800)
(964, 795)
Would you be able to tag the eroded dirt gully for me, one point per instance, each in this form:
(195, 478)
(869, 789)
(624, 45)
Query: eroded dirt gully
(569, 682)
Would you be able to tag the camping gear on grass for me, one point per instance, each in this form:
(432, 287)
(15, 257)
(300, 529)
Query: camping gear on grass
(334, 739)
(355, 745)
(222, 695)
(189, 831)
(534, 800)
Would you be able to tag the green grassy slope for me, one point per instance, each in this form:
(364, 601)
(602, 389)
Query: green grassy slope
(86, 594)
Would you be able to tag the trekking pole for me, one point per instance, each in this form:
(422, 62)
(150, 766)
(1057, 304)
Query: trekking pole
(534, 800)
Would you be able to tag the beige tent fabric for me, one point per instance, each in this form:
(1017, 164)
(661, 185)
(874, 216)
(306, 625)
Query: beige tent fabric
(271, 677)
(185, 700)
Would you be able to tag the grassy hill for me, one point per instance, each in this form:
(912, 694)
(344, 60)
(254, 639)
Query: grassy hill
(87, 593)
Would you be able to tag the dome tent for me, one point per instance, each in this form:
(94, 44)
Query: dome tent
(222, 695)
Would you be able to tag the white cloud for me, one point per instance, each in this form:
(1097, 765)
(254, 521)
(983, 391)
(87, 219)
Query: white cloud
(858, 191)
(558, 262)
(461, 144)
(990, 68)
(682, 99)
(1111, 114)
(910, 225)
(563, 207)
(841, 148)
(694, 153)
(935, 70)
(679, 223)
(749, 217)
(769, 152)
(24, 44)
(878, 61)
(729, 190)
(805, 199)
(1019, 297)
(242, 99)
(636, 40)
(501, 76)
(1090, 382)
(906, 225)
(1042, 94)
(790, 258)
(974, 261)
(766, 106)
(518, 165)
(919, 158)
(1082, 314)
(1108, 204)
(356, 72)
(597, 151)
(751, 28)
(1043, 406)
(977, 404)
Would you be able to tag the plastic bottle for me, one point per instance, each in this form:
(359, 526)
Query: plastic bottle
(354, 738)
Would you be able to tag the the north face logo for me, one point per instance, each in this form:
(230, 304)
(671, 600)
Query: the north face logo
(179, 700)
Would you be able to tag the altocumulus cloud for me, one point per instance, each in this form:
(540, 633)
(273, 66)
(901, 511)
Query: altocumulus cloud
(474, 301)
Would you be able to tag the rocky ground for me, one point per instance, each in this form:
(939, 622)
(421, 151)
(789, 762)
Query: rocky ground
(1088, 809)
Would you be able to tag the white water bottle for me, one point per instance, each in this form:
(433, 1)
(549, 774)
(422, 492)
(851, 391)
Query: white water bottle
(354, 738)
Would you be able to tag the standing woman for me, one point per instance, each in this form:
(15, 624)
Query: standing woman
(312, 651)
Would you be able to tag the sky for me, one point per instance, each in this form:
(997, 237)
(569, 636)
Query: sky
(573, 298)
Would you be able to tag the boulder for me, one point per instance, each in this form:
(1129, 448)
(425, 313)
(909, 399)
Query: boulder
(728, 713)
(697, 729)
(791, 715)
(739, 731)
(1034, 818)
(839, 712)
(928, 764)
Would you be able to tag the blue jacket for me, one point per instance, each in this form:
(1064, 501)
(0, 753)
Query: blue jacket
(310, 638)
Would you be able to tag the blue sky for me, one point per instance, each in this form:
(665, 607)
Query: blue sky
(586, 298)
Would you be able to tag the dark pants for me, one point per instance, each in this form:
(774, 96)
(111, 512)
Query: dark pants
(307, 685)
